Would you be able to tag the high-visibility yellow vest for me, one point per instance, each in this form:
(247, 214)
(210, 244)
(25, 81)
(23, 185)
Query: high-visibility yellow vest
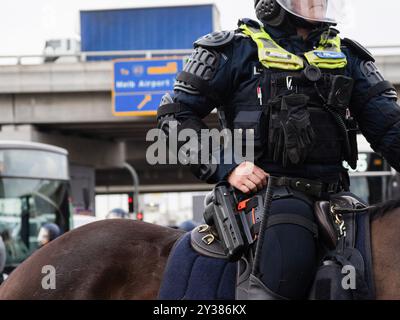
(327, 55)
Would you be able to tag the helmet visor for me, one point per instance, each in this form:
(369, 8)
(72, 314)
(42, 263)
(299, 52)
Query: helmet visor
(314, 10)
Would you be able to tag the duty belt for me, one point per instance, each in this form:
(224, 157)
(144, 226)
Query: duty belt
(312, 188)
(250, 210)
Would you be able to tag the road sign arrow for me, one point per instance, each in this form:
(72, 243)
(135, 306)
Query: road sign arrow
(145, 101)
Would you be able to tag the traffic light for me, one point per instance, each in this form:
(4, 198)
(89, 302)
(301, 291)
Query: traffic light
(139, 215)
(130, 202)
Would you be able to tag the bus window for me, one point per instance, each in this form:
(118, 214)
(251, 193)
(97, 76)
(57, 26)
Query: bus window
(34, 190)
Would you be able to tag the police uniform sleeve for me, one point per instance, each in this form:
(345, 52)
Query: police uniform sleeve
(374, 104)
(202, 86)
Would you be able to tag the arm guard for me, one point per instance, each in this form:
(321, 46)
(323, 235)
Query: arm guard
(198, 71)
(203, 64)
(166, 115)
(379, 86)
(374, 105)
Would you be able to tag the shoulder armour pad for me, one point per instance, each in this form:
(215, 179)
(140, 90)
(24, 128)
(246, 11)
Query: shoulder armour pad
(215, 40)
(200, 68)
(361, 51)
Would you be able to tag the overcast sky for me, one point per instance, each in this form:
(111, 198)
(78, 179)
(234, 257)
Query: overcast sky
(26, 24)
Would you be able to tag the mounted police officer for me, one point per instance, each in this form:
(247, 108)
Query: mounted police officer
(305, 93)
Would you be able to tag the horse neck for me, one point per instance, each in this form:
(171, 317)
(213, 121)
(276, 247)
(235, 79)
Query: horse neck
(385, 240)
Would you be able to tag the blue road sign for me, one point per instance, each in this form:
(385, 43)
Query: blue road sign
(140, 84)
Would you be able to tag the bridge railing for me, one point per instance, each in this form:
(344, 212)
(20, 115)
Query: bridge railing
(27, 59)
(386, 50)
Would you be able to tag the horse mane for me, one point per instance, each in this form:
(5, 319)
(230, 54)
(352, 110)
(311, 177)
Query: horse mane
(380, 210)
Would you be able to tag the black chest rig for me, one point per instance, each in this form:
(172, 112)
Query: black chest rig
(303, 104)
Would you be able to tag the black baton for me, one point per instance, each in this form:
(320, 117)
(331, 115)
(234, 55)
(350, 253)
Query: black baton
(269, 193)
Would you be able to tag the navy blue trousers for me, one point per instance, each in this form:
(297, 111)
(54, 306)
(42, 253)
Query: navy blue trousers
(289, 257)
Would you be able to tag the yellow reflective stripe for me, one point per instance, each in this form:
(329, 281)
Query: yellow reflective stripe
(327, 45)
(259, 35)
(325, 63)
(275, 58)
(270, 54)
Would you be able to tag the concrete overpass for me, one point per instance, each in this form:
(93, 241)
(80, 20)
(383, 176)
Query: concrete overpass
(69, 105)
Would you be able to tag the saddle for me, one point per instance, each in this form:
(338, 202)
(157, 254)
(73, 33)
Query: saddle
(329, 215)
(345, 230)
(338, 222)
(204, 240)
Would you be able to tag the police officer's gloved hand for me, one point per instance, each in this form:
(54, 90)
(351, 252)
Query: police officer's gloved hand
(298, 133)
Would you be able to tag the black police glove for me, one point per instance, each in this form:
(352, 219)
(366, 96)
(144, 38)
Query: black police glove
(296, 124)
(290, 132)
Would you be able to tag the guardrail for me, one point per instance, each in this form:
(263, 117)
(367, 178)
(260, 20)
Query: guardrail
(382, 51)
(387, 50)
(371, 174)
(83, 56)
(395, 46)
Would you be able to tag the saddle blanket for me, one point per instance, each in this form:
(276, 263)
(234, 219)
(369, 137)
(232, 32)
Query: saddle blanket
(191, 276)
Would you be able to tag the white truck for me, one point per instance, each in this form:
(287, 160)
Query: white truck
(62, 50)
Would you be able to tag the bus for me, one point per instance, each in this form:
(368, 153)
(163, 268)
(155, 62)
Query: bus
(373, 180)
(34, 190)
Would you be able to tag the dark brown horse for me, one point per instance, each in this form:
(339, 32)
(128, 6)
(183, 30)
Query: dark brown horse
(110, 259)
(119, 259)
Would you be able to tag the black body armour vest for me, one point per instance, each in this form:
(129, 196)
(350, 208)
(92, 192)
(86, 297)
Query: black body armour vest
(319, 75)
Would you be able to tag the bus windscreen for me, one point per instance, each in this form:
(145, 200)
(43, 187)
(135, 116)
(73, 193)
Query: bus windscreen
(26, 163)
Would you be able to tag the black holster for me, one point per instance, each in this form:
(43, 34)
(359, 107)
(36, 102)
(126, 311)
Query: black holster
(221, 213)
